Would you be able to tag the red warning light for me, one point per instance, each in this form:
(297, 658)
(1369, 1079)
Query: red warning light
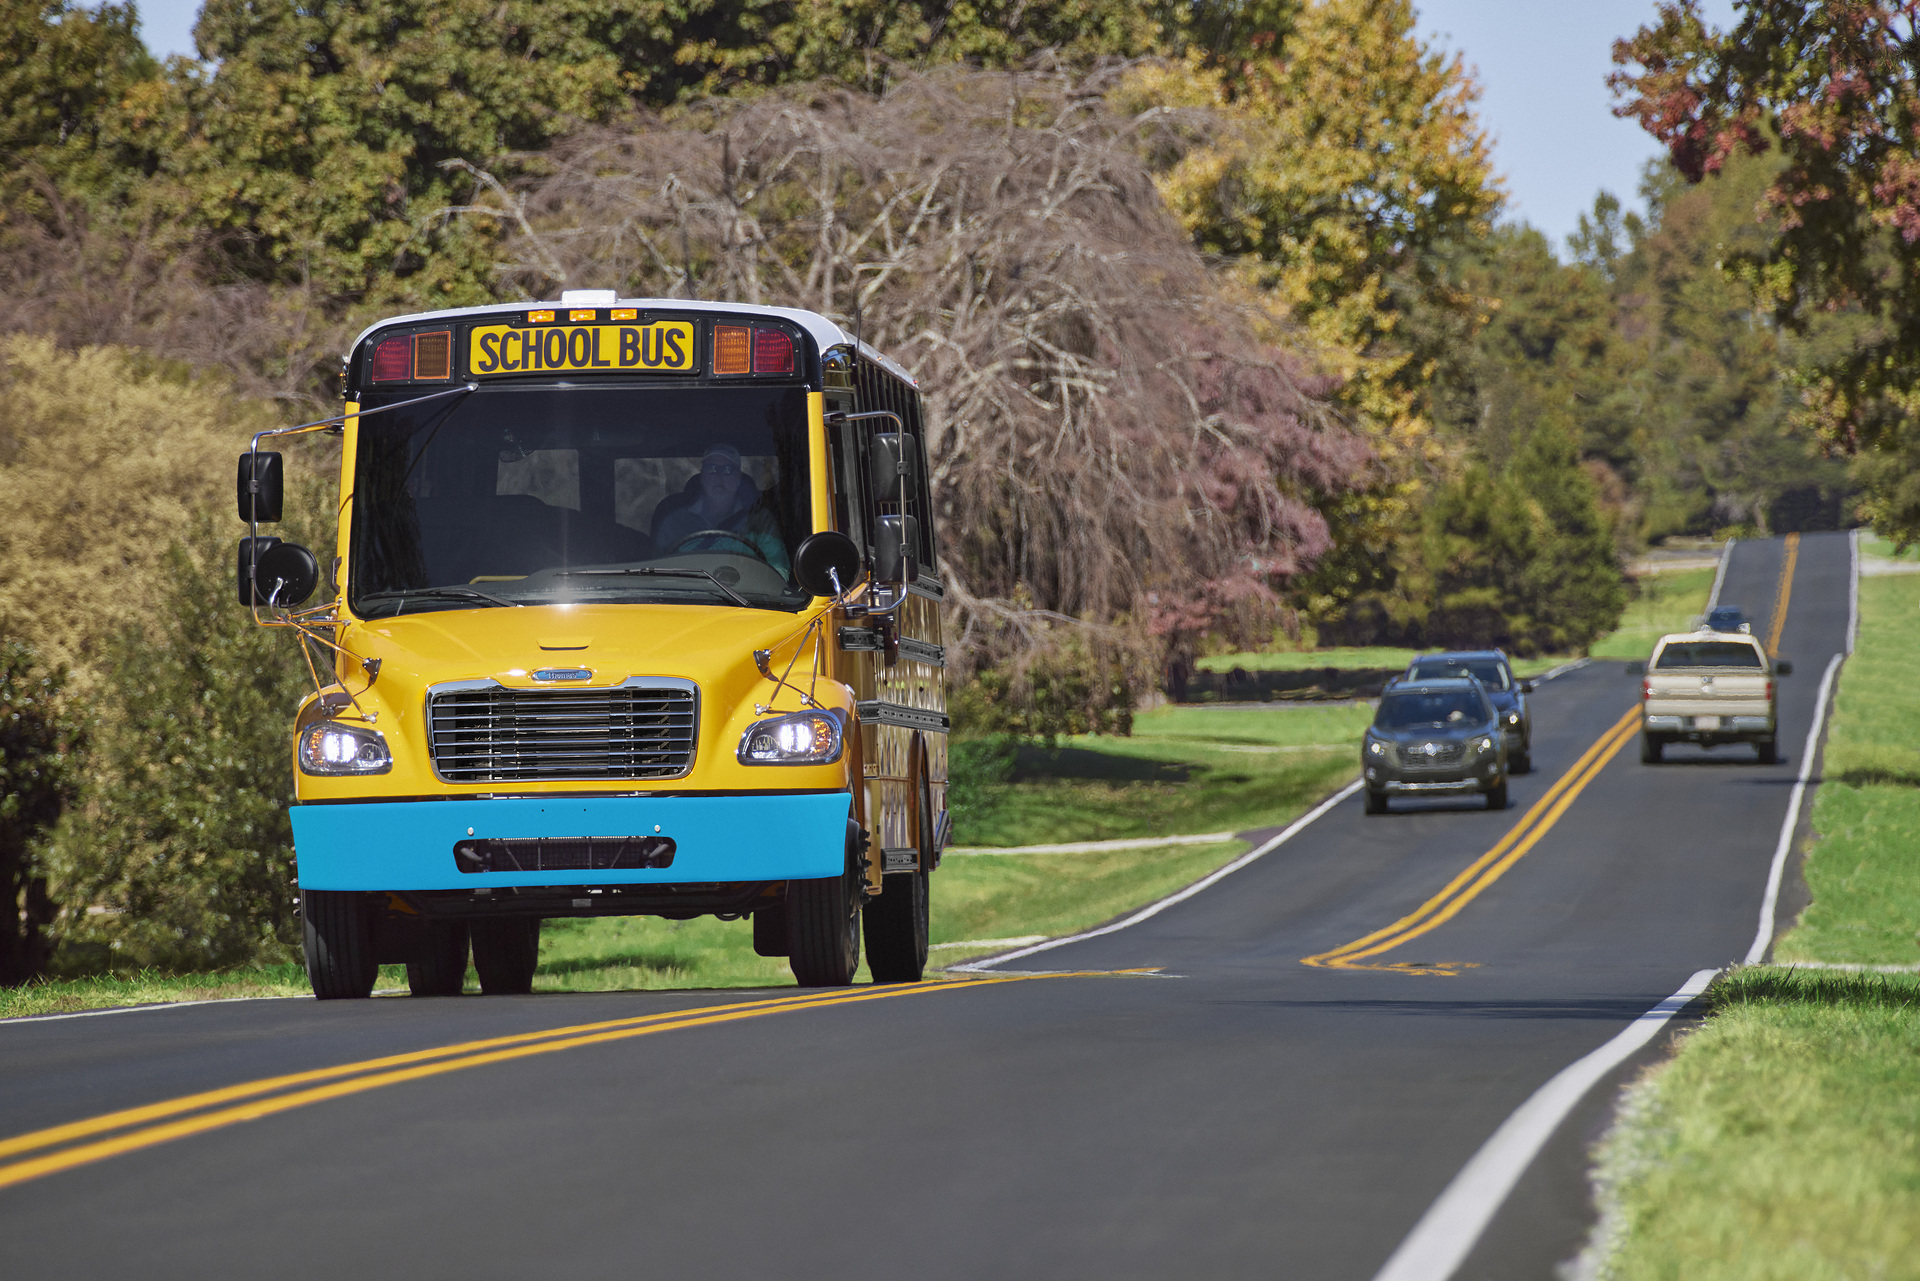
(393, 360)
(772, 352)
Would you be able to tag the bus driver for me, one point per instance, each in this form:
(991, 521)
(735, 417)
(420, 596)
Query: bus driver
(722, 513)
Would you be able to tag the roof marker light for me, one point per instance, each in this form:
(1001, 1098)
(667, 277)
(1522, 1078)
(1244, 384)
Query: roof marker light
(624, 313)
(583, 313)
(540, 317)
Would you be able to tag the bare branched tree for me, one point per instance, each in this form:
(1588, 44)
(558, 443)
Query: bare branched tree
(1116, 439)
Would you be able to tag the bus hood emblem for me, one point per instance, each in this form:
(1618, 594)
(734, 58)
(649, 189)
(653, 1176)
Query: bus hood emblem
(563, 674)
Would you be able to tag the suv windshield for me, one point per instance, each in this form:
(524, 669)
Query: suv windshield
(545, 495)
(1710, 654)
(1491, 671)
(1451, 708)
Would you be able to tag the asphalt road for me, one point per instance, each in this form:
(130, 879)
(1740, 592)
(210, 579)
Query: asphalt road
(1237, 1114)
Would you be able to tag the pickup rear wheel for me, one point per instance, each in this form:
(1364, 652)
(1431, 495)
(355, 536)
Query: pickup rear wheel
(1767, 751)
(1650, 749)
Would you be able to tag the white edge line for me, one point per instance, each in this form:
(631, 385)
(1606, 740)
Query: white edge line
(1564, 668)
(1154, 909)
(1763, 937)
(1853, 588)
(20, 1019)
(1720, 574)
(1448, 1230)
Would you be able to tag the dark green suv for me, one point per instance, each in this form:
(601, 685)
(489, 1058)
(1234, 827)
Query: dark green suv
(1435, 737)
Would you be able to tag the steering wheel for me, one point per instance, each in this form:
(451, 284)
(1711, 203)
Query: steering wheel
(751, 549)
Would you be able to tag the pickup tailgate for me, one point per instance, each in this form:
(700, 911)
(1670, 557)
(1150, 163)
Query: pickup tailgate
(1708, 693)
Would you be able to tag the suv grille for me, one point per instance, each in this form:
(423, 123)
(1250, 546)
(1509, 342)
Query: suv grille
(1431, 755)
(491, 734)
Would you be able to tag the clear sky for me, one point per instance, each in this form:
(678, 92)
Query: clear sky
(1542, 68)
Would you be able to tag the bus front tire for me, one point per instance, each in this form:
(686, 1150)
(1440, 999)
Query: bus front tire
(338, 929)
(823, 924)
(439, 965)
(506, 951)
(897, 921)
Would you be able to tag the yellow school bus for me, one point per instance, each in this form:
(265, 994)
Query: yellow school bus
(634, 611)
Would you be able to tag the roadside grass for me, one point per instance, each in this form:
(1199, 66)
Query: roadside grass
(1781, 1144)
(151, 987)
(1668, 602)
(1346, 658)
(1783, 1138)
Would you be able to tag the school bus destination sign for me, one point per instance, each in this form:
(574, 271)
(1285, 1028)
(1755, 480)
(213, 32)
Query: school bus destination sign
(663, 348)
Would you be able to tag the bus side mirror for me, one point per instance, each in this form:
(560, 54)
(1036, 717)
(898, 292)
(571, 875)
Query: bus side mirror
(894, 539)
(260, 487)
(282, 575)
(826, 563)
(893, 456)
(1782, 668)
(1636, 669)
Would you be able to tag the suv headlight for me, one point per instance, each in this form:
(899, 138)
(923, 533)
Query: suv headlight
(328, 747)
(1513, 718)
(1483, 745)
(1376, 748)
(804, 738)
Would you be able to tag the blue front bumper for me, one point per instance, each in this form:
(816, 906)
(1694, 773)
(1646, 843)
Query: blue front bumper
(408, 845)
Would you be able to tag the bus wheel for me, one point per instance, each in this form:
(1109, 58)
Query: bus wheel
(439, 965)
(896, 923)
(506, 951)
(338, 929)
(823, 923)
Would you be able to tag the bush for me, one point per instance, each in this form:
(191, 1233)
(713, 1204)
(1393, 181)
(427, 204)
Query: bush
(179, 852)
(38, 745)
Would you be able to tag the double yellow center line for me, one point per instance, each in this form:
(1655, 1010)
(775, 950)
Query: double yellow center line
(62, 1147)
(1782, 595)
(1483, 871)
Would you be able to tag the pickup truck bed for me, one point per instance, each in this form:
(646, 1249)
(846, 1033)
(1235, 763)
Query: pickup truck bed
(1709, 688)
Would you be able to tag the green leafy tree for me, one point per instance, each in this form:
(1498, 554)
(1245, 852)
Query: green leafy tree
(179, 852)
(1834, 87)
(65, 68)
(39, 748)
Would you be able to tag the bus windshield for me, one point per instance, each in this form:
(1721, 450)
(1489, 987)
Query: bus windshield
(602, 494)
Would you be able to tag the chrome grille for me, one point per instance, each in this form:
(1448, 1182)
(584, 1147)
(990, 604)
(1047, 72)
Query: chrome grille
(487, 733)
(1431, 755)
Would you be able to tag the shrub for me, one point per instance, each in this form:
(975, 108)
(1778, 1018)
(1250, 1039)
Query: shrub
(38, 745)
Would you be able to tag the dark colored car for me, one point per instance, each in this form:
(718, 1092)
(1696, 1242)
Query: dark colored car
(1491, 668)
(1726, 618)
(1434, 736)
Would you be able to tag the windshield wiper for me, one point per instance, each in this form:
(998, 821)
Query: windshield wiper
(646, 572)
(443, 593)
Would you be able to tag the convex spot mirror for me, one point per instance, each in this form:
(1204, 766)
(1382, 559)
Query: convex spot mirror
(282, 574)
(260, 487)
(823, 557)
(894, 538)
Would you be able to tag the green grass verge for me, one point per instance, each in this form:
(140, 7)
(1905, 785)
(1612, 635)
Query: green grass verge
(1783, 1139)
(1348, 659)
(1781, 1144)
(103, 992)
(1667, 602)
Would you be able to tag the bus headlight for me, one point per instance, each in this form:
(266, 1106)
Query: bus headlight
(328, 747)
(804, 738)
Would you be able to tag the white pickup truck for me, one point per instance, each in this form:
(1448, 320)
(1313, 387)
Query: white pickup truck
(1709, 688)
